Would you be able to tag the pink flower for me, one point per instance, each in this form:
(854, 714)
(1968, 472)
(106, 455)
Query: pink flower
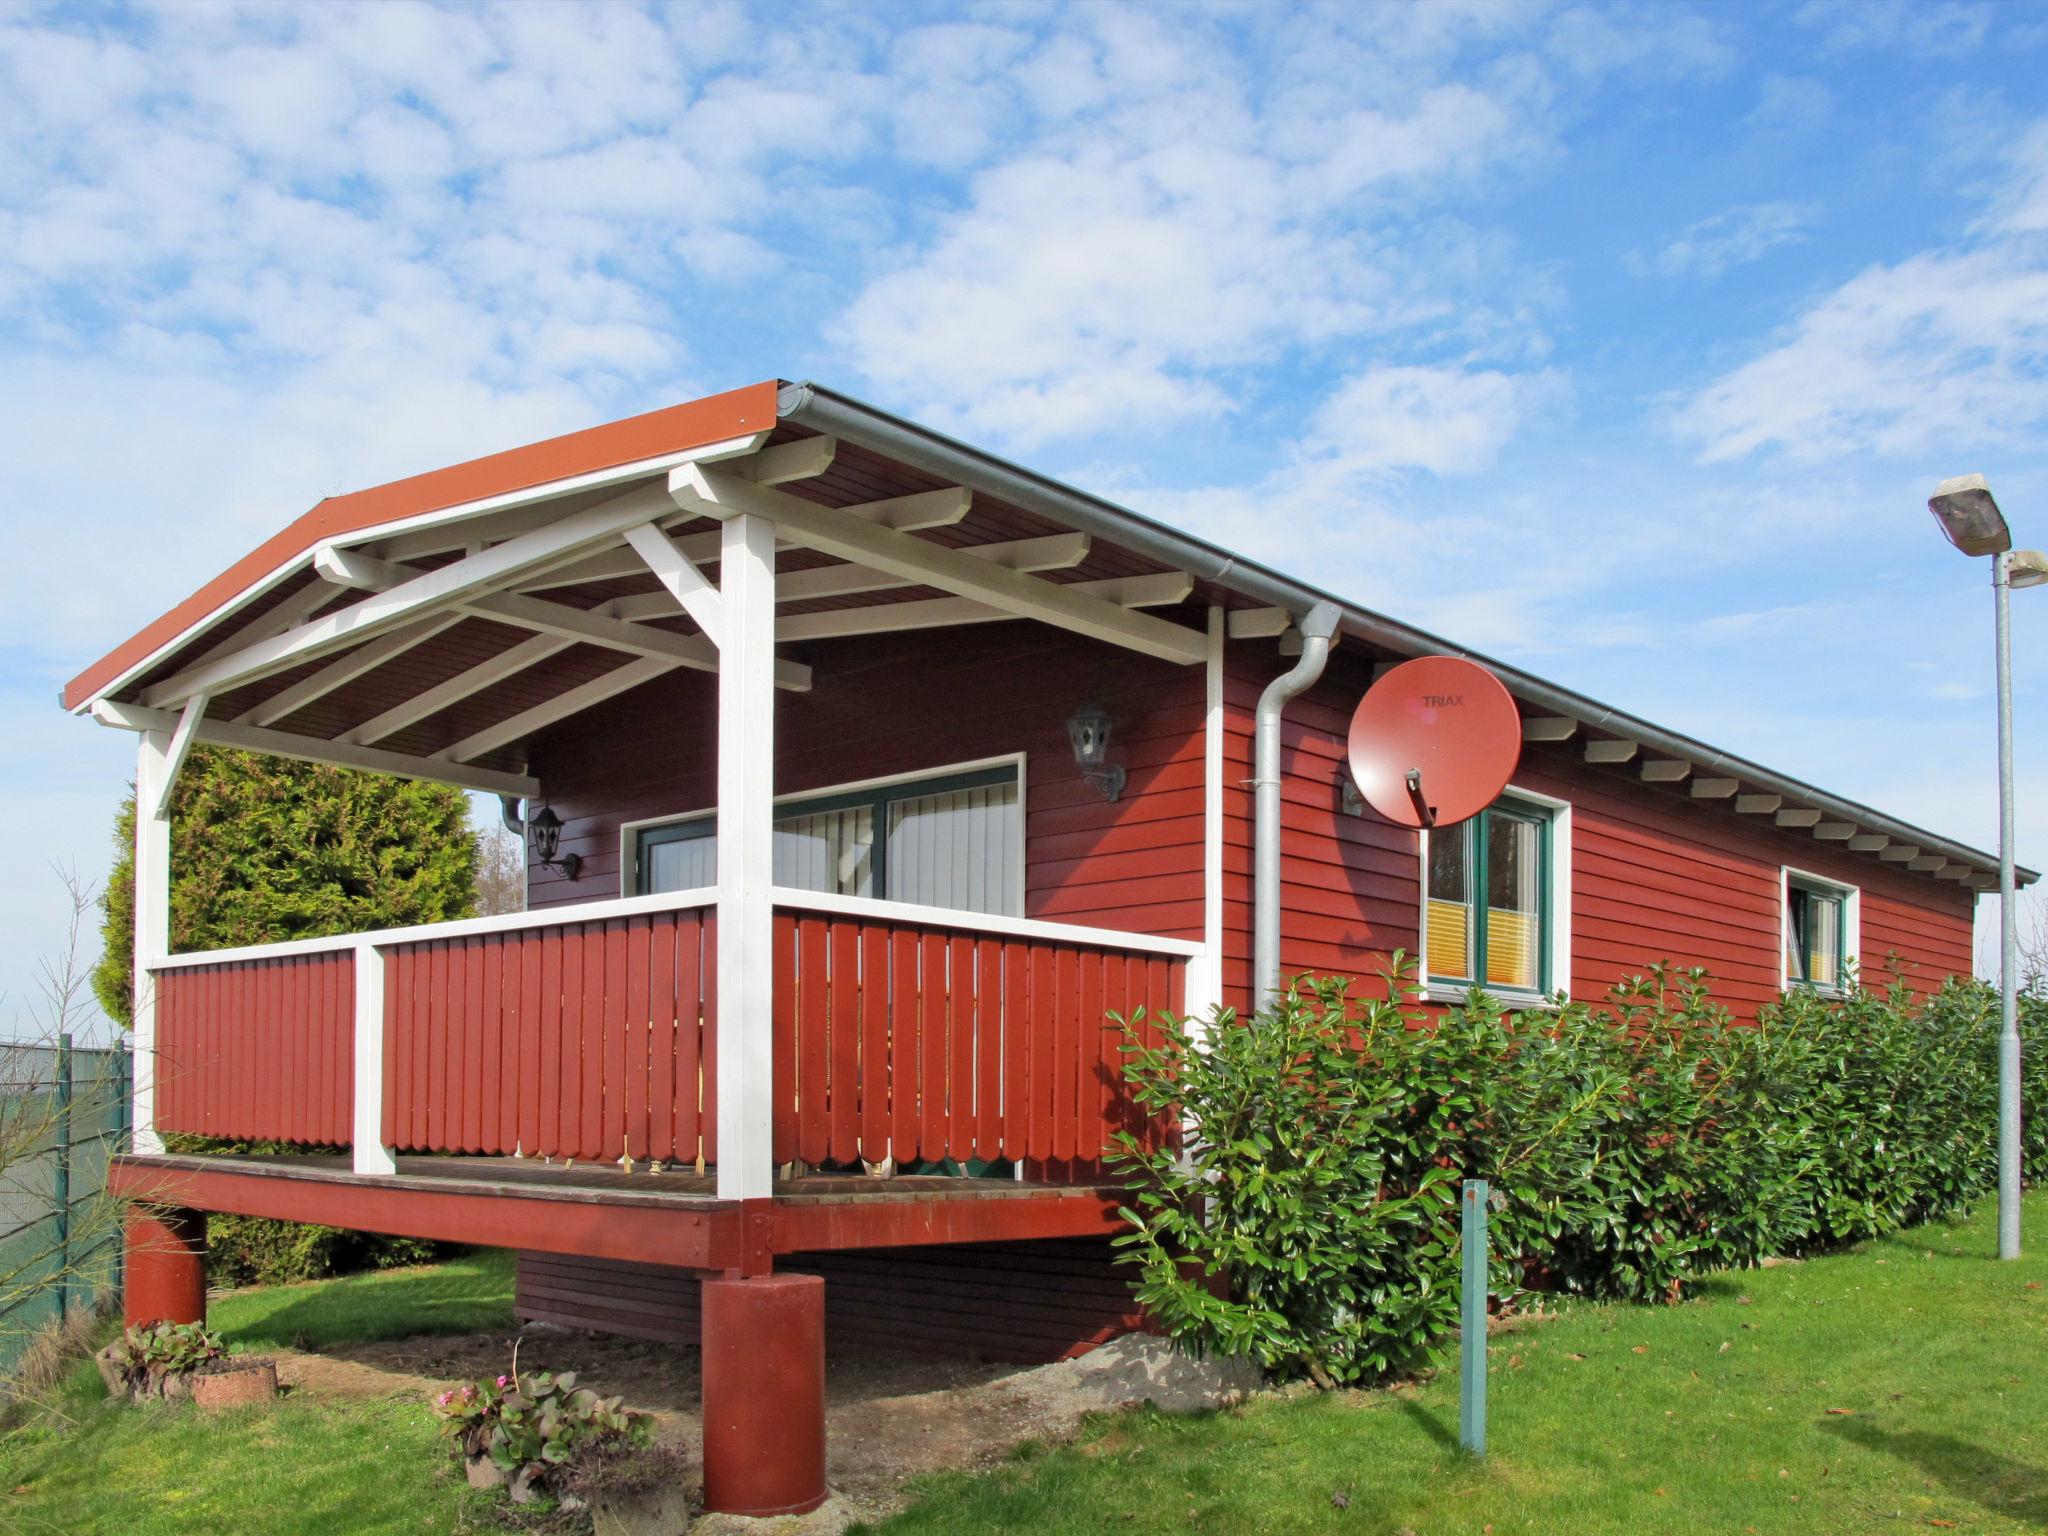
(504, 1381)
(445, 1399)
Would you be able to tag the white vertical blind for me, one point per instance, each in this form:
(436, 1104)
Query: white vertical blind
(957, 849)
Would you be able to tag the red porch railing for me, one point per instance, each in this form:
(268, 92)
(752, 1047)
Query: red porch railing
(587, 1033)
(258, 1049)
(934, 1038)
(588, 1040)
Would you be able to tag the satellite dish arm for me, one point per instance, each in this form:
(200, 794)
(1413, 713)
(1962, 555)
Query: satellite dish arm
(1318, 633)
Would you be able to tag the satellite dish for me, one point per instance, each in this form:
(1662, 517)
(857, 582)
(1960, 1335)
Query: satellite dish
(1434, 742)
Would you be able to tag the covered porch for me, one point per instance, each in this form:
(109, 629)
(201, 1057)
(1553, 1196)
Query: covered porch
(707, 1077)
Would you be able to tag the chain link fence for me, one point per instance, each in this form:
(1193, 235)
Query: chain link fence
(63, 1115)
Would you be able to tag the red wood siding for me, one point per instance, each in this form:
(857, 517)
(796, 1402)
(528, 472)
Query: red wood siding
(259, 1050)
(901, 704)
(583, 1040)
(1656, 874)
(1025, 1302)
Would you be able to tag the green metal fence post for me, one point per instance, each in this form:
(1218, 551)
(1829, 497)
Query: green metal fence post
(60, 1180)
(1472, 1342)
(124, 1108)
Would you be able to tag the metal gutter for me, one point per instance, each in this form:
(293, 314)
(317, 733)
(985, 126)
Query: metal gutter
(1318, 633)
(825, 410)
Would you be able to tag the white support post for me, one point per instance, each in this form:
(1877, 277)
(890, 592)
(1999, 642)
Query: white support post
(371, 1155)
(746, 800)
(152, 921)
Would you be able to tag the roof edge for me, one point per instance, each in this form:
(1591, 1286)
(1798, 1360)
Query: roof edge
(826, 410)
(670, 429)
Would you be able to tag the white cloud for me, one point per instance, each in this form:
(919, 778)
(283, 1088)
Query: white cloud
(1713, 245)
(1946, 348)
(1449, 421)
(1944, 28)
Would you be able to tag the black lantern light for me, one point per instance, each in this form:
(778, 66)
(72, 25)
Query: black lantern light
(544, 833)
(1089, 728)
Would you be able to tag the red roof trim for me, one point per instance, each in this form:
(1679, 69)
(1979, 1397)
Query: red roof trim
(670, 430)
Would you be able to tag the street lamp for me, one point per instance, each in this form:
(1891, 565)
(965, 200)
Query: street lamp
(1969, 515)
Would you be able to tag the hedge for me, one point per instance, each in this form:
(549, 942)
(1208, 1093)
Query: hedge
(1309, 1217)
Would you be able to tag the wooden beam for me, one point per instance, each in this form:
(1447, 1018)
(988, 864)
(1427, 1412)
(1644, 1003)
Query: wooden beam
(800, 460)
(1258, 623)
(564, 704)
(495, 669)
(1714, 789)
(1051, 552)
(1665, 770)
(1835, 831)
(1610, 751)
(1549, 728)
(445, 586)
(941, 612)
(1868, 842)
(1799, 816)
(1900, 853)
(1927, 862)
(870, 543)
(636, 639)
(312, 749)
(346, 669)
(679, 574)
(174, 757)
(1758, 805)
(1954, 872)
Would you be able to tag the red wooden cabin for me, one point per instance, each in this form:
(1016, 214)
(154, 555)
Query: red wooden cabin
(810, 1002)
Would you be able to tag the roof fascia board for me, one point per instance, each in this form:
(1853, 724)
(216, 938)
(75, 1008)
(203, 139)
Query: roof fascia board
(639, 445)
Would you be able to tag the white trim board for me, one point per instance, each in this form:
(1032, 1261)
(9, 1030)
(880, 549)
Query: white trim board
(1559, 939)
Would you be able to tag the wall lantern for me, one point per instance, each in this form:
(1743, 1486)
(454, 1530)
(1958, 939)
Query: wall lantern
(1090, 727)
(544, 832)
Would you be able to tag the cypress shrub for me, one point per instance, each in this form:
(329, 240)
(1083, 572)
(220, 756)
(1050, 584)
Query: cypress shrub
(1308, 1217)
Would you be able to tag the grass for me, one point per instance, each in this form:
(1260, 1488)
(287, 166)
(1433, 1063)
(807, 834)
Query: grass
(75, 1462)
(1899, 1386)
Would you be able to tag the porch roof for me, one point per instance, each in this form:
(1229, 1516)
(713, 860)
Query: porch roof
(432, 625)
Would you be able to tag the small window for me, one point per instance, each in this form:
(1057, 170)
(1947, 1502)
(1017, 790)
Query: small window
(1818, 922)
(1489, 902)
(955, 841)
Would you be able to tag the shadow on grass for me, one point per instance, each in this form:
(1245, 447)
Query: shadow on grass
(1994, 1483)
(467, 1295)
(1431, 1425)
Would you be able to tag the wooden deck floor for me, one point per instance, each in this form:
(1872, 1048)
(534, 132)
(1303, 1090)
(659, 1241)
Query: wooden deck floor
(667, 1217)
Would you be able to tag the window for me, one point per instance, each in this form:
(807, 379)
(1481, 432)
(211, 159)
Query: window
(1489, 902)
(954, 840)
(1820, 923)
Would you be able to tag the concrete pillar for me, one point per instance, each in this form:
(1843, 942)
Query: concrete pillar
(164, 1269)
(764, 1394)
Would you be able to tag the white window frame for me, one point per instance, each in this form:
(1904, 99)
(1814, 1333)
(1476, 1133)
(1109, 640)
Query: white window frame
(629, 831)
(1851, 897)
(1557, 943)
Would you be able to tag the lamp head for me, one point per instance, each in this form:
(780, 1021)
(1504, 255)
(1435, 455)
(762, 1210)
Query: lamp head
(2026, 568)
(1969, 515)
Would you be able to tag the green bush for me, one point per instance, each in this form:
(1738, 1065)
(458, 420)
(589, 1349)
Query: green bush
(1309, 1217)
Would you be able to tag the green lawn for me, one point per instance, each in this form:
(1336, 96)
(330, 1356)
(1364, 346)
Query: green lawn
(1710, 1417)
(79, 1463)
(1899, 1386)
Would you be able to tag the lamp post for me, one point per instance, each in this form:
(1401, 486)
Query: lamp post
(1969, 515)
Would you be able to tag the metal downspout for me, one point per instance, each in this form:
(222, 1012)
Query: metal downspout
(1318, 630)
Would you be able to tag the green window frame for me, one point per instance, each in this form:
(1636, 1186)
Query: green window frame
(1816, 935)
(875, 799)
(1479, 910)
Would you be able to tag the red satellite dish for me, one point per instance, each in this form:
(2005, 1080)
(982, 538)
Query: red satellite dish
(1434, 742)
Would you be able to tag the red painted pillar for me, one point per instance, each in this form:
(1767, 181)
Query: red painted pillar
(764, 1394)
(165, 1265)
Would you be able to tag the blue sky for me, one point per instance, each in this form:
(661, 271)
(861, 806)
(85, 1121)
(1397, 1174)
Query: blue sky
(1623, 342)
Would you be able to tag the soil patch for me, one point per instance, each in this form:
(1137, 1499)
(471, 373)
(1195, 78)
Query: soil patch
(889, 1417)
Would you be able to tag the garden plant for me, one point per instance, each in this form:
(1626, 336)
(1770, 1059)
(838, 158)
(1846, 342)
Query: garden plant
(1308, 1215)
